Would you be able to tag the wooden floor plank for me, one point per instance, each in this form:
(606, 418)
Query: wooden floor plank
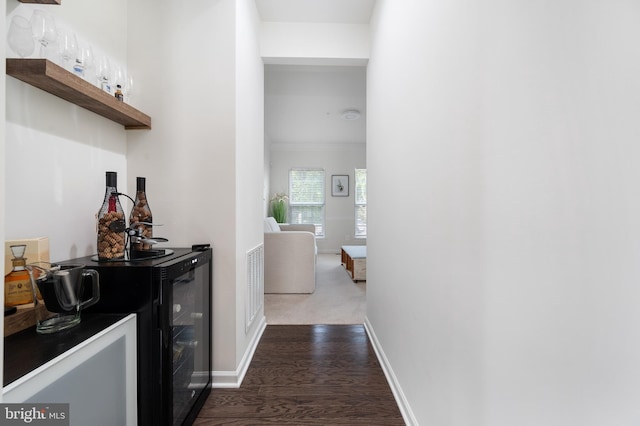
(308, 375)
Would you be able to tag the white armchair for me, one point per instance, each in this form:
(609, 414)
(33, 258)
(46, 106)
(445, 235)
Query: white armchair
(289, 258)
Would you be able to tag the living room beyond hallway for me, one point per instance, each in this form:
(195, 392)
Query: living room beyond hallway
(336, 300)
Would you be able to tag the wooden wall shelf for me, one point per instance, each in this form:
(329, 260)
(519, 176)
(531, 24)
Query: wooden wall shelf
(54, 79)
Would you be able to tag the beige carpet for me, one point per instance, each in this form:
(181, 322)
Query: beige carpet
(337, 299)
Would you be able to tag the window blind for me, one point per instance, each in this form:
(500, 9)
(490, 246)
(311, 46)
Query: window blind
(306, 198)
(361, 202)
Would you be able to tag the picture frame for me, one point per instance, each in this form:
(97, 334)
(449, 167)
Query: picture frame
(339, 185)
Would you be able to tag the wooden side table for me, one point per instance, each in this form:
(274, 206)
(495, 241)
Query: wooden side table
(354, 258)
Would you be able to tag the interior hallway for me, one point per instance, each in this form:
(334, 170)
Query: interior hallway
(316, 374)
(314, 363)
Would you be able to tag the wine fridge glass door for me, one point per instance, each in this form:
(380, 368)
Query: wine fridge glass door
(190, 324)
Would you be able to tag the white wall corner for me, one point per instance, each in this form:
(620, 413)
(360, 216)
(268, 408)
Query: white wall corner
(233, 379)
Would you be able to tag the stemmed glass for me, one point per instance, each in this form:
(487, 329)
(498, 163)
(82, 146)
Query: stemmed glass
(84, 59)
(128, 89)
(104, 74)
(20, 37)
(68, 47)
(119, 78)
(43, 28)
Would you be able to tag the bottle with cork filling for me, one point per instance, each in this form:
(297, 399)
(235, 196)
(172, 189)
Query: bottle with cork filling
(111, 222)
(141, 218)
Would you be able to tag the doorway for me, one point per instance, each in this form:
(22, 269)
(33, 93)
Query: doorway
(306, 126)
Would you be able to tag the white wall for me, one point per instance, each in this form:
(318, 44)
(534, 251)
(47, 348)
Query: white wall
(57, 152)
(249, 160)
(335, 159)
(313, 43)
(3, 30)
(267, 178)
(190, 149)
(514, 296)
(52, 173)
(202, 159)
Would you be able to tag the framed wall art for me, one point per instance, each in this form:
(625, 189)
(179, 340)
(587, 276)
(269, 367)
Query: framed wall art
(340, 185)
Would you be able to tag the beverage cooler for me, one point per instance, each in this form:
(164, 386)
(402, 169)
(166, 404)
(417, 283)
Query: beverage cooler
(171, 295)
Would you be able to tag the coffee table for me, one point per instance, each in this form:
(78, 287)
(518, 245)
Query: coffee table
(354, 259)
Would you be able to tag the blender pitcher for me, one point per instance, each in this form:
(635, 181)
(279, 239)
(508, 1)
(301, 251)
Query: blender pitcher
(58, 292)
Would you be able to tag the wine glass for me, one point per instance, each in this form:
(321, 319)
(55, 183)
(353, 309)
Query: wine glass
(67, 47)
(103, 74)
(119, 76)
(43, 28)
(84, 59)
(20, 37)
(128, 89)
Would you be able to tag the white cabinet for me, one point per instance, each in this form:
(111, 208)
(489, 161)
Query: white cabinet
(96, 377)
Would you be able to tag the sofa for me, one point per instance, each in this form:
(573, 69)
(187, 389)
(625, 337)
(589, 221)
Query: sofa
(290, 254)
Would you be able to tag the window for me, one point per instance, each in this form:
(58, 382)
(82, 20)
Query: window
(306, 198)
(361, 203)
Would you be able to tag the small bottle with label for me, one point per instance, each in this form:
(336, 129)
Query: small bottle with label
(17, 284)
(119, 96)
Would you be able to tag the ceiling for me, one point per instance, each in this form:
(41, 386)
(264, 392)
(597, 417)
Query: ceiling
(304, 104)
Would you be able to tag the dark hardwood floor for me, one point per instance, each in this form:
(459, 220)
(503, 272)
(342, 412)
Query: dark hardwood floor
(318, 374)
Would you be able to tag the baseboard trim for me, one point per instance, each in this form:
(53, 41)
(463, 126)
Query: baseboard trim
(398, 394)
(233, 379)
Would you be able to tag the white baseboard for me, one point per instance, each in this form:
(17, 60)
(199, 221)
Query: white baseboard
(398, 394)
(233, 379)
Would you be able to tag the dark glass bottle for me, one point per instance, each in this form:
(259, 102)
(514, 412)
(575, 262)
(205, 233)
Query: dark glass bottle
(111, 223)
(141, 218)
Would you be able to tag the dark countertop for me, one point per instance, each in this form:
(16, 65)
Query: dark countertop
(27, 350)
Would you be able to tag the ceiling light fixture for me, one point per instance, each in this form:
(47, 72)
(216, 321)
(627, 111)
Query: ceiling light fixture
(350, 114)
